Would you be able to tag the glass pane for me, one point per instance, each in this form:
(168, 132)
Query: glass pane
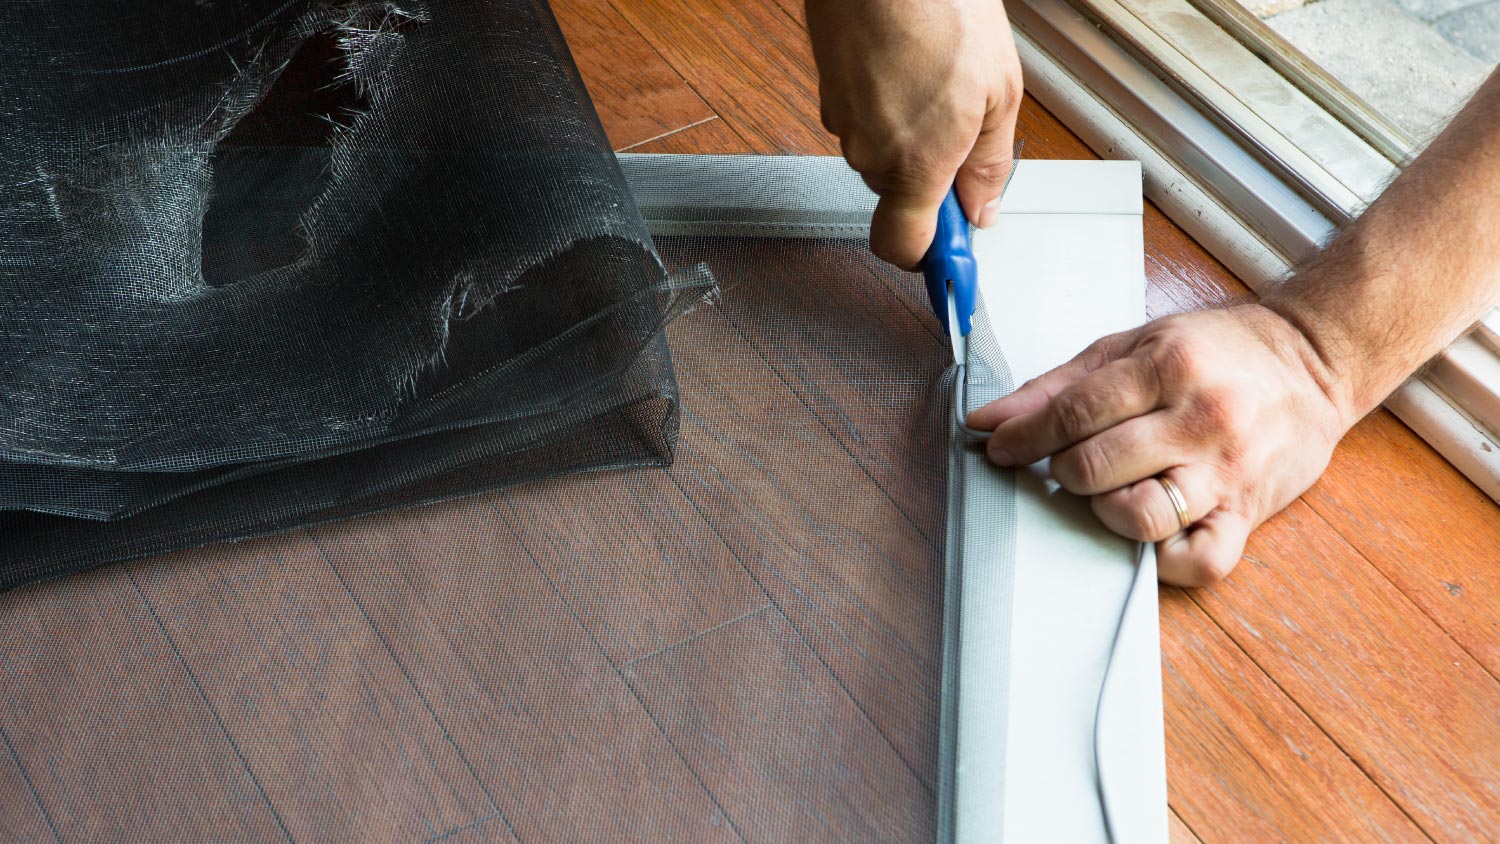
(1416, 61)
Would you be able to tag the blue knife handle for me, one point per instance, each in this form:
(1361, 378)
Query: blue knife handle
(950, 260)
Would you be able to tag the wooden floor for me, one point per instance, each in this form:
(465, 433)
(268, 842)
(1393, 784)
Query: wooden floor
(1341, 686)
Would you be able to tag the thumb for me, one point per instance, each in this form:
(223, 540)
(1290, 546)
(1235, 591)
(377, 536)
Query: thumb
(904, 224)
(982, 177)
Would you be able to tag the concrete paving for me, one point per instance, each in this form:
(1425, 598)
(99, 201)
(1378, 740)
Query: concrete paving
(1401, 62)
(1431, 10)
(1476, 28)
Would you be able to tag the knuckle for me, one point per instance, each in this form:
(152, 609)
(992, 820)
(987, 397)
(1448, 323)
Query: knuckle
(1012, 89)
(1210, 568)
(1097, 352)
(1233, 456)
(1216, 411)
(1073, 415)
(862, 158)
(963, 114)
(992, 173)
(1083, 469)
(878, 159)
(1145, 525)
(1143, 374)
(1176, 360)
(887, 250)
(1128, 517)
(1106, 349)
(912, 181)
(1220, 413)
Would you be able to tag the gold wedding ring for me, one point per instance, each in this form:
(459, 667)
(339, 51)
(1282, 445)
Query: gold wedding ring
(1178, 502)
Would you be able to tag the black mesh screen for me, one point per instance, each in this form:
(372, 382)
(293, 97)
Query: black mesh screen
(287, 268)
(267, 263)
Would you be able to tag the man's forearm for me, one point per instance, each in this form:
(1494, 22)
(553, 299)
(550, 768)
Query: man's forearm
(1416, 270)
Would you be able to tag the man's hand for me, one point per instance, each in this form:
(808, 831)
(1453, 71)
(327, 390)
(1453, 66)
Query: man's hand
(1234, 406)
(921, 94)
(1241, 408)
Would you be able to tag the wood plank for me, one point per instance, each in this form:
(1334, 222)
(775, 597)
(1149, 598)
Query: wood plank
(1423, 524)
(790, 757)
(1244, 763)
(483, 831)
(795, 10)
(749, 61)
(852, 574)
(1042, 136)
(1178, 831)
(548, 724)
(637, 94)
(632, 557)
(709, 137)
(752, 63)
(1415, 711)
(344, 746)
(112, 731)
(865, 369)
(22, 818)
(1180, 274)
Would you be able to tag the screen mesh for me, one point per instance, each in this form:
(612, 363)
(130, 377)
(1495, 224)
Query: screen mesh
(743, 645)
(273, 262)
(735, 634)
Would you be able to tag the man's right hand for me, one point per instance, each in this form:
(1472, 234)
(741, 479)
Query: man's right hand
(922, 94)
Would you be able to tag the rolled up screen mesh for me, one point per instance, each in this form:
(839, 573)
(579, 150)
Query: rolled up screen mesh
(268, 263)
(216, 332)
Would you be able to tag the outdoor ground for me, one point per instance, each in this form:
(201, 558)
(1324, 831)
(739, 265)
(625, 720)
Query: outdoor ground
(1415, 60)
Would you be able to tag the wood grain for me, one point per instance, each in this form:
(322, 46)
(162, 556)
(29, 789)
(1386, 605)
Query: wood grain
(792, 758)
(22, 818)
(1415, 711)
(706, 138)
(841, 561)
(548, 725)
(113, 733)
(1424, 525)
(749, 61)
(1244, 763)
(865, 370)
(339, 740)
(1180, 274)
(637, 95)
(1178, 831)
(632, 557)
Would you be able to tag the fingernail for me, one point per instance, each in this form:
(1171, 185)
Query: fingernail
(990, 213)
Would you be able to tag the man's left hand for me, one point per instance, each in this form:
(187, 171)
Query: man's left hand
(1234, 406)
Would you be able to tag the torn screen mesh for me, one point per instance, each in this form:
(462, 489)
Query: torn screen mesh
(734, 634)
(744, 645)
(267, 263)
